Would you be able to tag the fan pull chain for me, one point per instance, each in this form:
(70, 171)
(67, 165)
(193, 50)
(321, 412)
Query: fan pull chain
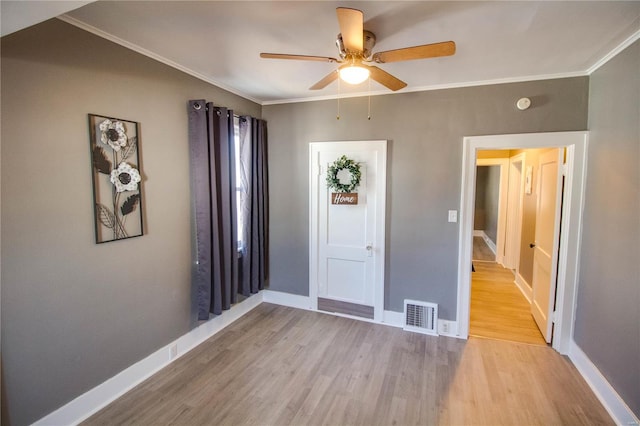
(338, 116)
(369, 101)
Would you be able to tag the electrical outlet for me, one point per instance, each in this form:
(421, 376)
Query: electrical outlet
(453, 215)
(174, 351)
(444, 327)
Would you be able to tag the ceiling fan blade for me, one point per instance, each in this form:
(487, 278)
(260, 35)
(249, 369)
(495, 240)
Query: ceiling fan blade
(445, 48)
(386, 79)
(351, 23)
(329, 78)
(297, 57)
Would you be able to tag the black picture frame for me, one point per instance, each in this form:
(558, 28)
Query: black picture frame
(116, 178)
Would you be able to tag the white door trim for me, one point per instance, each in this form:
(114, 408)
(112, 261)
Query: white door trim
(573, 202)
(515, 200)
(502, 202)
(380, 223)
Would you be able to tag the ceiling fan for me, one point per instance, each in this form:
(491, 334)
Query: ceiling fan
(355, 46)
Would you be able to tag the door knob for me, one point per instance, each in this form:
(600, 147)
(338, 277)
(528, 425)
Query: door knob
(532, 245)
(369, 248)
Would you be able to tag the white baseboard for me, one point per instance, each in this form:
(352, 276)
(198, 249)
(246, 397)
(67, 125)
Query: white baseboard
(100, 396)
(613, 403)
(485, 237)
(524, 288)
(390, 318)
(393, 318)
(445, 327)
(286, 299)
(492, 246)
(448, 328)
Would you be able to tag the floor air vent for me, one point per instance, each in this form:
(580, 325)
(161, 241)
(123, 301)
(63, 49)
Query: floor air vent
(421, 317)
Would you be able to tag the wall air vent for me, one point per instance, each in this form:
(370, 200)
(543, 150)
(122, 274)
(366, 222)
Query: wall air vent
(421, 317)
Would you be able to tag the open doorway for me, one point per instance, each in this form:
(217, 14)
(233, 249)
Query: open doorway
(569, 242)
(500, 308)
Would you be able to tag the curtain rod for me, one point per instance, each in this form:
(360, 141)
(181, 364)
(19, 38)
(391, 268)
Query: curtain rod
(242, 118)
(197, 106)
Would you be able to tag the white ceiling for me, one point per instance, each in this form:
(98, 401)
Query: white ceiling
(220, 41)
(18, 14)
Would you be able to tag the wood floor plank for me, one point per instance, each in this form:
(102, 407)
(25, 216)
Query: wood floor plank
(498, 308)
(481, 250)
(283, 366)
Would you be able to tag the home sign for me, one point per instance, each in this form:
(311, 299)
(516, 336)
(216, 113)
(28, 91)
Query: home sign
(348, 198)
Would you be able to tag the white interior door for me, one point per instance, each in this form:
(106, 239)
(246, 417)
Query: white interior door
(545, 256)
(347, 241)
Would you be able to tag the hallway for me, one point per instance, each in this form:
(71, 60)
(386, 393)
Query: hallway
(498, 308)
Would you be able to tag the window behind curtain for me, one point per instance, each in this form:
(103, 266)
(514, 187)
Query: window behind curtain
(240, 190)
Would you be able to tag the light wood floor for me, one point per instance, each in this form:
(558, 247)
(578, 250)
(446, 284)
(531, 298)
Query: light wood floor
(498, 308)
(481, 250)
(284, 366)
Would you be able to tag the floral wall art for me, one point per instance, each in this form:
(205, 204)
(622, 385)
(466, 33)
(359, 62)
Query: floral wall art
(116, 178)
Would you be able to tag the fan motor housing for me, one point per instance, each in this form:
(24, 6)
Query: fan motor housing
(368, 41)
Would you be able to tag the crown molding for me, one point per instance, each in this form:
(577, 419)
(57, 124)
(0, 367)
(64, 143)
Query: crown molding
(520, 79)
(606, 58)
(138, 49)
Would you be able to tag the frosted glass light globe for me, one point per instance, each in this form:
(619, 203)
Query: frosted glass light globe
(354, 74)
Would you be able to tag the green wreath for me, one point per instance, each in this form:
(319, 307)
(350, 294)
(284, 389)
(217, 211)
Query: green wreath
(343, 163)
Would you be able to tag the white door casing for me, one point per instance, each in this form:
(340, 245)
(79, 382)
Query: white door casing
(545, 254)
(514, 212)
(572, 200)
(347, 241)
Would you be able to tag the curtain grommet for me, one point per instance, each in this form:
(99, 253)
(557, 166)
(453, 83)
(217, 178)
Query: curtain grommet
(197, 106)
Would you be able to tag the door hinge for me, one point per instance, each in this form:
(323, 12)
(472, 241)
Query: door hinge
(565, 169)
(554, 317)
(319, 170)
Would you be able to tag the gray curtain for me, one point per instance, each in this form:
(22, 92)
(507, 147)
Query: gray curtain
(214, 195)
(254, 204)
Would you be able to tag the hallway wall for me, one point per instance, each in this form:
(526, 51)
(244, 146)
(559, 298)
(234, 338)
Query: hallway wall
(487, 197)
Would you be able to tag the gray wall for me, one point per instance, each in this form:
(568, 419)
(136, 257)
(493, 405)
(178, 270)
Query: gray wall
(75, 313)
(486, 203)
(492, 196)
(608, 315)
(479, 214)
(425, 131)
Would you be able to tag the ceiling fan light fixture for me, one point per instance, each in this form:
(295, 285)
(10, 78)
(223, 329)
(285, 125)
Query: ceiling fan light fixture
(354, 74)
(355, 46)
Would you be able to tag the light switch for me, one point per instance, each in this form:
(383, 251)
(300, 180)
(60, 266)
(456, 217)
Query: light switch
(453, 215)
